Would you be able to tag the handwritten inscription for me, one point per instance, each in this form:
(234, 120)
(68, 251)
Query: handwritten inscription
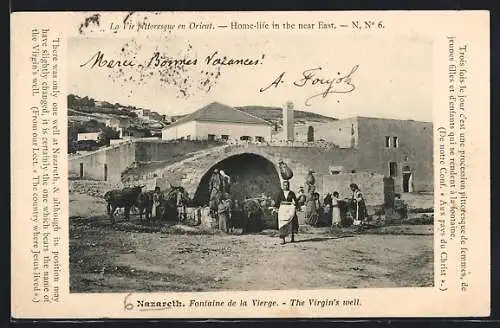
(99, 60)
(179, 71)
(316, 79)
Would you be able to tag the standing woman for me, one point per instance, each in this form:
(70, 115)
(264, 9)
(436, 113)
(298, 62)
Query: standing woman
(224, 212)
(359, 203)
(157, 202)
(286, 206)
(301, 198)
(311, 209)
(215, 190)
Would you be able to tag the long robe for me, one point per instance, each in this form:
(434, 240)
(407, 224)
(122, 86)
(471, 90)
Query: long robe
(224, 212)
(335, 212)
(292, 224)
(158, 198)
(215, 189)
(312, 215)
(226, 184)
(360, 206)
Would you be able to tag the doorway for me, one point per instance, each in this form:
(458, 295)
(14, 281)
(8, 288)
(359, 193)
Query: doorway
(393, 169)
(105, 172)
(81, 170)
(407, 179)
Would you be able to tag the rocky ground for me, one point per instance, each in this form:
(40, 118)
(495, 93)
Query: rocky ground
(132, 256)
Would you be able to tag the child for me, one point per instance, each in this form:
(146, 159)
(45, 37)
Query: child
(335, 210)
(224, 211)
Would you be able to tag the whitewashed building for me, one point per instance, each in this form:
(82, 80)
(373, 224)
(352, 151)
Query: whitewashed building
(142, 113)
(219, 122)
(88, 136)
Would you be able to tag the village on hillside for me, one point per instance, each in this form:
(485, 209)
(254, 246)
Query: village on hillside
(93, 124)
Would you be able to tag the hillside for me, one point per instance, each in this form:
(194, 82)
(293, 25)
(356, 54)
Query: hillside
(85, 106)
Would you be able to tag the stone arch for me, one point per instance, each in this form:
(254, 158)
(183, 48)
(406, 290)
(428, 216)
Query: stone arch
(251, 173)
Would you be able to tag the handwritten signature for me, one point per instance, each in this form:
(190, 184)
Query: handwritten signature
(312, 77)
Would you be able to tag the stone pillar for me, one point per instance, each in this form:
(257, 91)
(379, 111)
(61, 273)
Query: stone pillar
(288, 122)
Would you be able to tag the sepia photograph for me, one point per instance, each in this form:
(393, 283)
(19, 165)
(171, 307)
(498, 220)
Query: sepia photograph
(250, 163)
(224, 165)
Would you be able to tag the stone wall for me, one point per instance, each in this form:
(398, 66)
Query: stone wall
(171, 151)
(91, 187)
(376, 188)
(414, 150)
(116, 159)
(189, 167)
(189, 172)
(338, 132)
(104, 164)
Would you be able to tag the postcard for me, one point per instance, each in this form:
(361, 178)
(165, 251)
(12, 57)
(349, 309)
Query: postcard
(250, 164)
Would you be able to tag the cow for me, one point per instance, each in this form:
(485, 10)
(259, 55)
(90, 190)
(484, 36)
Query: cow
(125, 198)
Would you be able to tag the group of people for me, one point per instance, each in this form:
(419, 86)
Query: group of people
(287, 204)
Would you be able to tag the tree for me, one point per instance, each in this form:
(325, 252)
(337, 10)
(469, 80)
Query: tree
(138, 132)
(71, 101)
(72, 136)
(87, 102)
(107, 133)
(106, 104)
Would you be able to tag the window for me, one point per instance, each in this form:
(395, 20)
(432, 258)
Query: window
(393, 169)
(395, 142)
(259, 139)
(245, 138)
(211, 137)
(387, 142)
(224, 137)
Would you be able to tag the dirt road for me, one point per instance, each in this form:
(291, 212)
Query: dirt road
(120, 259)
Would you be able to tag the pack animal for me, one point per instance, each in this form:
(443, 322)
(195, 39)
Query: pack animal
(252, 216)
(124, 198)
(144, 203)
(177, 200)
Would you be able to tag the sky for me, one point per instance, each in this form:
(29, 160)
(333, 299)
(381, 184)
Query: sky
(393, 77)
